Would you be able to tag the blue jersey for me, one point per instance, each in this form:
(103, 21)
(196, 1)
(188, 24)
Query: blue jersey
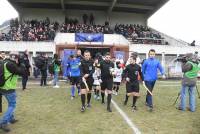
(74, 67)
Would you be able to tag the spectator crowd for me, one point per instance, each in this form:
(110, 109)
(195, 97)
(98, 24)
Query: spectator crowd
(35, 30)
(83, 28)
(138, 33)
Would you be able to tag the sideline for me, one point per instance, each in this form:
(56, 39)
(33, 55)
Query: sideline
(126, 118)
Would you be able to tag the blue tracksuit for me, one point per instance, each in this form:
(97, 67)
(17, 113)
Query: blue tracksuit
(149, 69)
(74, 67)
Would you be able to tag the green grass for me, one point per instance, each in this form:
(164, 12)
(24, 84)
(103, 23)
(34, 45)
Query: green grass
(165, 118)
(50, 111)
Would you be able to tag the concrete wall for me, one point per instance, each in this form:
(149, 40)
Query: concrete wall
(100, 16)
(33, 47)
(109, 39)
(41, 14)
(167, 49)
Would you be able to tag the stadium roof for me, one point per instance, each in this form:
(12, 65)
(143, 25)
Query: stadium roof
(147, 7)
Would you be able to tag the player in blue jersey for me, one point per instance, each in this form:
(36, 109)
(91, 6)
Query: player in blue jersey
(74, 72)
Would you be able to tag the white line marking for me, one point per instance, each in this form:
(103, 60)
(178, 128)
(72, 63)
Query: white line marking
(126, 118)
(122, 113)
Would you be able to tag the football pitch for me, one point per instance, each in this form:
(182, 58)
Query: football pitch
(47, 110)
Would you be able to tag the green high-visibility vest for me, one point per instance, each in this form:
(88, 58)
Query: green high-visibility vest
(194, 72)
(56, 68)
(11, 83)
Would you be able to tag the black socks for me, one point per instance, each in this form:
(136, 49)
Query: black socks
(102, 95)
(126, 99)
(134, 100)
(88, 98)
(109, 100)
(117, 89)
(83, 100)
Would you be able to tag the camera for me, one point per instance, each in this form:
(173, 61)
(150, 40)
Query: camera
(182, 59)
(188, 57)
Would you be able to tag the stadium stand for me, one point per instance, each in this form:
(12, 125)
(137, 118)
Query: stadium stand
(138, 34)
(44, 30)
(83, 28)
(30, 30)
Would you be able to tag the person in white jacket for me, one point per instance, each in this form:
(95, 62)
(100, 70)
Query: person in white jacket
(118, 78)
(97, 80)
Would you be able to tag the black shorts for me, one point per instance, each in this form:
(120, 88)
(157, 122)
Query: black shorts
(74, 80)
(107, 84)
(89, 82)
(117, 83)
(132, 87)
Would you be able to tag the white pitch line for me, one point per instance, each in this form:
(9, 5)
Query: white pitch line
(126, 118)
(122, 113)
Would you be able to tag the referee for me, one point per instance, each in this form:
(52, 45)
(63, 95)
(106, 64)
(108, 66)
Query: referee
(107, 73)
(87, 70)
(131, 73)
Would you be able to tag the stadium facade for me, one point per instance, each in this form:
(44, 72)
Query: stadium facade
(112, 11)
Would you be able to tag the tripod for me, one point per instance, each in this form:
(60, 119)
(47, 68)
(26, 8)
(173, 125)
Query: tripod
(179, 95)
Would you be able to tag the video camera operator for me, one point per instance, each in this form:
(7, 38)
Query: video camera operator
(190, 68)
(11, 70)
(23, 59)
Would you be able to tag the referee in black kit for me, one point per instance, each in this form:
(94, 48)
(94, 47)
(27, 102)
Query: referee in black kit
(87, 69)
(131, 73)
(107, 73)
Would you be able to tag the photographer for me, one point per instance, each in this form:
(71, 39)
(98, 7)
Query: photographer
(190, 69)
(23, 59)
(12, 69)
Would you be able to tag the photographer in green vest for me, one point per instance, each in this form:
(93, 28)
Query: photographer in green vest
(11, 70)
(190, 69)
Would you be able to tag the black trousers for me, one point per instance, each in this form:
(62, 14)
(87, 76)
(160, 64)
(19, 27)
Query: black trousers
(24, 81)
(43, 77)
